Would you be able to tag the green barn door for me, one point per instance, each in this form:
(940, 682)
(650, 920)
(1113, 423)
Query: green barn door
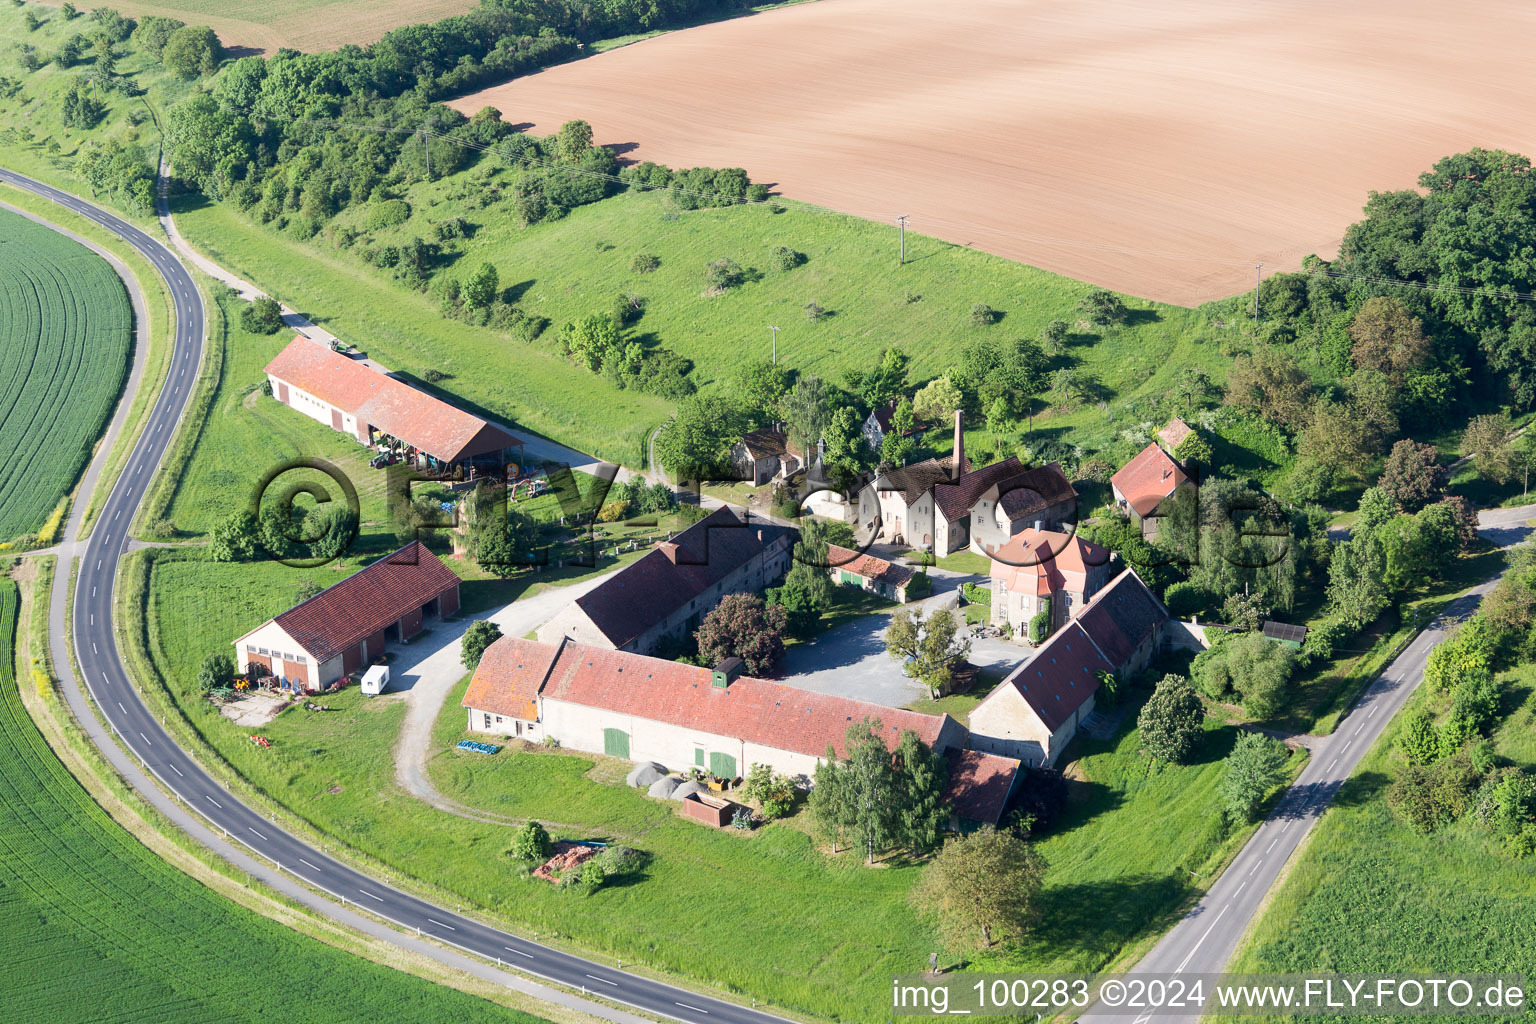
(722, 766)
(616, 743)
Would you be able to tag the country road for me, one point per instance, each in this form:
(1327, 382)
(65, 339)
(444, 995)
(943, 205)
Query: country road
(122, 706)
(1204, 941)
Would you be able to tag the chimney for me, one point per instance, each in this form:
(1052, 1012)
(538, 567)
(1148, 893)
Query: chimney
(1039, 525)
(959, 457)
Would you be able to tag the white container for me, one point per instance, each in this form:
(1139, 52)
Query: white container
(374, 680)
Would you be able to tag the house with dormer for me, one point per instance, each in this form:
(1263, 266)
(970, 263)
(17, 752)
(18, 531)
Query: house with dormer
(1044, 570)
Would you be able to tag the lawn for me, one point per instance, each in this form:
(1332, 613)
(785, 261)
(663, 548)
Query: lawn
(579, 264)
(65, 343)
(1369, 895)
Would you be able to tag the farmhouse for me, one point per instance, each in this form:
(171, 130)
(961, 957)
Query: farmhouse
(1042, 570)
(855, 569)
(649, 709)
(765, 455)
(669, 590)
(1142, 484)
(1035, 712)
(348, 625)
(943, 505)
(371, 406)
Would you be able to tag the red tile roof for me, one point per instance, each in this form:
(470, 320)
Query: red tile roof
(648, 590)
(367, 601)
(1122, 616)
(387, 404)
(868, 566)
(1034, 490)
(768, 443)
(756, 710)
(508, 678)
(1042, 561)
(1061, 676)
(1176, 431)
(953, 498)
(979, 784)
(1148, 478)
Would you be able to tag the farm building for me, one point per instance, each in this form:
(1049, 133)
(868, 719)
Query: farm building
(851, 568)
(648, 709)
(943, 505)
(766, 455)
(978, 788)
(1142, 484)
(665, 594)
(1036, 711)
(374, 407)
(1042, 570)
(1176, 431)
(878, 423)
(346, 626)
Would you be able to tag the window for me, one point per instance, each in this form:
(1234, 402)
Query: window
(498, 719)
(487, 716)
(300, 659)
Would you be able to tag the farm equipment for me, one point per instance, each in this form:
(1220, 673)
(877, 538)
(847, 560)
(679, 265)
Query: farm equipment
(260, 741)
(310, 705)
(479, 748)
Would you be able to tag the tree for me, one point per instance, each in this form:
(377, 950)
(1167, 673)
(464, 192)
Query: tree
(479, 636)
(1255, 766)
(1376, 508)
(981, 888)
(1250, 666)
(192, 50)
(921, 775)
(928, 650)
(863, 790)
(903, 417)
(1357, 591)
(1103, 308)
(593, 340)
(696, 445)
(573, 140)
(885, 381)
(807, 408)
(236, 538)
(262, 316)
(721, 275)
(742, 626)
(1419, 740)
(1412, 475)
(1171, 720)
(1194, 448)
(1337, 439)
(1486, 442)
(482, 287)
(938, 401)
(531, 843)
(760, 384)
(1388, 339)
(831, 800)
(215, 673)
(847, 455)
(1053, 337)
(1273, 384)
(81, 109)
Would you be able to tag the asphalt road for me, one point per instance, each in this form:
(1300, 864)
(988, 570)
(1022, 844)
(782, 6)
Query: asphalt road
(121, 705)
(1204, 941)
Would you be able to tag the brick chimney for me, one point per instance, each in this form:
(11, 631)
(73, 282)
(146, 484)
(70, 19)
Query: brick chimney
(958, 459)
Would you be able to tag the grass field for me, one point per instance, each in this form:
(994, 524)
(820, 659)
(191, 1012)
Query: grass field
(65, 344)
(94, 926)
(579, 264)
(1370, 895)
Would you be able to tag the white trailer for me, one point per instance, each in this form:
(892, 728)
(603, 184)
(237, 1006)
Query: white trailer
(374, 680)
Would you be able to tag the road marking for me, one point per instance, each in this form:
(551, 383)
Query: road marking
(605, 981)
(93, 591)
(175, 769)
(1331, 764)
(308, 864)
(120, 511)
(1240, 889)
(685, 1006)
(121, 708)
(1371, 712)
(1192, 952)
(439, 924)
(370, 895)
(519, 952)
(1256, 866)
(213, 801)
(93, 648)
(1273, 841)
(258, 835)
(146, 739)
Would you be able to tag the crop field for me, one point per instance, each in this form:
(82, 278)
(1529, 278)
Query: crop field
(307, 25)
(65, 345)
(95, 926)
(578, 265)
(1369, 895)
(1133, 839)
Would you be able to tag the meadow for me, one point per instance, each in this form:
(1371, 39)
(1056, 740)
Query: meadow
(93, 925)
(65, 345)
(1369, 895)
(580, 264)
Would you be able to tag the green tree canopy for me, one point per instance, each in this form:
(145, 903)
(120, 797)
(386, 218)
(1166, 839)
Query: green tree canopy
(982, 888)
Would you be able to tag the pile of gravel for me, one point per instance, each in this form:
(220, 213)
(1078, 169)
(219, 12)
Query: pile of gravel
(643, 774)
(663, 787)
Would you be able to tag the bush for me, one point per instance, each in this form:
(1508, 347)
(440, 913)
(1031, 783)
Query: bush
(723, 275)
(262, 316)
(1040, 625)
(1186, 598)
(432, 375)
(531, 843)
(784, 258)
(643, 263)
(983, 315)
(618, 861)
(387, 213)
(977, 593)
(814, 311)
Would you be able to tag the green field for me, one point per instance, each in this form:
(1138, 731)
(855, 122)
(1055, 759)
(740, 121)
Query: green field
(580, 263)
(94, 926)
(65, 345)
(1369, 895)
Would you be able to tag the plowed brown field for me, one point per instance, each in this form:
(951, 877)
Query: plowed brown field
(1160, 147)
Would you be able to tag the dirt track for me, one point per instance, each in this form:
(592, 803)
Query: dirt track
(1160, 147)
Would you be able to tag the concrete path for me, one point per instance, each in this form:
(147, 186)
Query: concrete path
(425, 670)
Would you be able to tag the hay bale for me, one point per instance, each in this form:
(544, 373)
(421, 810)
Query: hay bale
(663, 787)
(687, 789)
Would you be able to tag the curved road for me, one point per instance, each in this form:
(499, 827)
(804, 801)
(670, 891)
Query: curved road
(119, 702)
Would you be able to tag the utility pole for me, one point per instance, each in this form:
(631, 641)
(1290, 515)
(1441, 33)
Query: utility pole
(901, 258)
(1256, 270)
(427, 145)
(775, 331)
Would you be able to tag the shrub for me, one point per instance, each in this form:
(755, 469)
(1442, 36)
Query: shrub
(432, 375)
(1040, 625)
(643, 263)
(742, 819)
(784, 258)
(814, 311)
(387, 213)
(983, 315)
(1185, 598)
(722, 275)
(618, 861)
(262, 316)
(531, 843)
(977, 593)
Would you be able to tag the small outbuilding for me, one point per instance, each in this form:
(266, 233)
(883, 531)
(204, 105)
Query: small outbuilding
(375, 679)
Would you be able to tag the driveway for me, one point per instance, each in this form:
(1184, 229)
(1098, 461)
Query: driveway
(851, 660)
